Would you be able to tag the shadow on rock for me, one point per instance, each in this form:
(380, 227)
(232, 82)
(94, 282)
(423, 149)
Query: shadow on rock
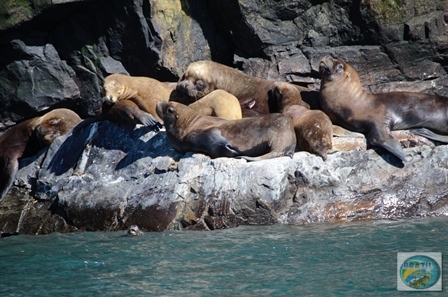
(157, 146)
(136, 143)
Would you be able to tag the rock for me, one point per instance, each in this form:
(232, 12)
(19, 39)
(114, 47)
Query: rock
(57, 53)
(38, 81)
(108, 177)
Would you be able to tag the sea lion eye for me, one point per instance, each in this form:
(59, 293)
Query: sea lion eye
(339, 67)
(170, 110)
(200, 85)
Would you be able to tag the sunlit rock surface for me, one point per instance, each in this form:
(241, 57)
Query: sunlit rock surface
(108, 177)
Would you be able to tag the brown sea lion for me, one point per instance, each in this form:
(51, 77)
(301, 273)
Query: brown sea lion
(347, 104)
(253, 139)
(27, 138)
(133, 99)
(220, 104)
(203, 77)
(314, 130)
(286, 94)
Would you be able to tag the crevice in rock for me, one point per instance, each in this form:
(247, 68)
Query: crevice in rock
(55, 208)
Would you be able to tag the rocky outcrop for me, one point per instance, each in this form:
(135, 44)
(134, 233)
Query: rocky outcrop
(108, 177)
(57, 53)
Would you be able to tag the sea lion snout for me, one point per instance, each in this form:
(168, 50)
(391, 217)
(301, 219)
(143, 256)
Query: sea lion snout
(108, 100)
(161, 107)
(184, 87)
(325, 66)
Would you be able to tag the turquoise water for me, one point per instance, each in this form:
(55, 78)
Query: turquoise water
(352, 259)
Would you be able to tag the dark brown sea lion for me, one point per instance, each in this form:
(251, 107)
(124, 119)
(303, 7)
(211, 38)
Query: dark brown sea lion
(220, 104)
(314, 130)
(27, 138)
(347, 104)
(253, 139)
(203, 77)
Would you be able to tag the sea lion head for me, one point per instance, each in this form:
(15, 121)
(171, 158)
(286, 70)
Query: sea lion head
(167, 111)
(54, 124)
(286, 94)
(134, 230)
(337, 70)
(174, 114)
(115, 89)
(48, 131)
(196, 82)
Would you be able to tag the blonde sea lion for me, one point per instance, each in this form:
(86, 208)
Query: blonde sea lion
(344, 100)
(220, 104)
(253, 139)
(133, 99)
(27, 138)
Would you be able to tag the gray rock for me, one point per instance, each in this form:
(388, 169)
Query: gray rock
(108, 177)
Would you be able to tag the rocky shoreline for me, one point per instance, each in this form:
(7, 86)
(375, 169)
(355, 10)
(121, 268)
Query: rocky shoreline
(57, 54)
(112, 176)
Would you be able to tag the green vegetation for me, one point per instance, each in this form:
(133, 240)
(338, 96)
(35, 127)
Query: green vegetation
(388, 12)
(14, 12)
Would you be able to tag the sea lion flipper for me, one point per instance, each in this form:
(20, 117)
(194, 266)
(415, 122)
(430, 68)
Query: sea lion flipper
(129, 113)
(148, 119)
(380, 136)
(222, 146)
(211, 141)
(394, 147)
(430, 135)
(7, 175)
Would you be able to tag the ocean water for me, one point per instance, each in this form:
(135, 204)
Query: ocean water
(350, 259)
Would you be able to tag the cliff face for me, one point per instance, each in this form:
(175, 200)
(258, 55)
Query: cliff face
(57, 53)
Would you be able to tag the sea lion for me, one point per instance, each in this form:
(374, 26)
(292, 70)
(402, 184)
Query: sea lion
(220, 104)
(253, 139)
(347, 104)
(313, 128)
(133, 230)
(203, 77)
(27, 138)
(286, 94)
(134, 98)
